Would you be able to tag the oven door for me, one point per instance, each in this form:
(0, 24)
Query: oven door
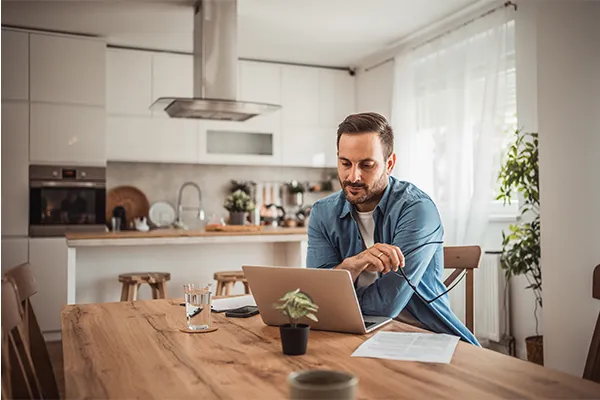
(56, 207)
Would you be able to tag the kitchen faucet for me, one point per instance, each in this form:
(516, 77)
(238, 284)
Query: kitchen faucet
(180, 207)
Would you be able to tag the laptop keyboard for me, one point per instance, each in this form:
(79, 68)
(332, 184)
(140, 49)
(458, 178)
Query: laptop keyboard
(369, 323)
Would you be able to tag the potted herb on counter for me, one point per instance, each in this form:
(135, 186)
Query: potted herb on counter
(238, 204)
(294, 194)
(294, 335)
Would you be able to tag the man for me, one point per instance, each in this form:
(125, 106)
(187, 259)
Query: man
(378, 224)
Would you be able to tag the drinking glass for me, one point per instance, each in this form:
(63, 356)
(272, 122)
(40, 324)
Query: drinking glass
(197, 305)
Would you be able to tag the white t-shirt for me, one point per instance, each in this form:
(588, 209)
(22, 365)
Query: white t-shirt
(366, 225)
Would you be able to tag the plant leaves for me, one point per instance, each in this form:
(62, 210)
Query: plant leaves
(295, 305)
(519, 173)
(312, 316)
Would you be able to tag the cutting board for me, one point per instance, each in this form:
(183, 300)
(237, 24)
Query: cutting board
(234, 228)
(131, 198)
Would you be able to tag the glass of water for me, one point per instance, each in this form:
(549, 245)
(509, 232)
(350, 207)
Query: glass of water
(197, 305)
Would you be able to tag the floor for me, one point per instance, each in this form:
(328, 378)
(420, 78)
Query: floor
(55, 352)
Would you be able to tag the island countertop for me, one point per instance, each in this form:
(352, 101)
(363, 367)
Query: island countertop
(95, 260)
(181, 236)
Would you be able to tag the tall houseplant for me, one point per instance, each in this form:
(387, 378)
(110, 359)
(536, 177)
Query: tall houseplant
(519, 177)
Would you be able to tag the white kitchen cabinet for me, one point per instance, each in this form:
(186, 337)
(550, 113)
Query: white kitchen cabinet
(327, 98)
(261, 82)
(48, 259)
(67, 70)
(336, 97)
(15, 65)
(336, 102)
(237, 146)
(172, 76)
(15, 251)
(128, 82)
(15, 168)
(315, 101)
(67, 134)
(300, 117)
(152, 139)
(300, 97)
(327, 139)
(256, 141)
(304, 147)
(345, 96)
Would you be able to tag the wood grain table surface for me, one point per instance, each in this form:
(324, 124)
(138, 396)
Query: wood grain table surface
(135, 350)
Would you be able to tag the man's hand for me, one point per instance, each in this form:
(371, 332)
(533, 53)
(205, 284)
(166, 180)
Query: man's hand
(377, 258)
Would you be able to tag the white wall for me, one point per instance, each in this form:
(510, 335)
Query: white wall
(374, 89)
(568, 108)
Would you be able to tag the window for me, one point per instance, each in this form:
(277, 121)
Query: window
(455, 111)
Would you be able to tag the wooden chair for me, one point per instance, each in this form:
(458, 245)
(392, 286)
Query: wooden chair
(592, 365)
(463, 258)
(24, 280)
(19, 377)
(226, 280)
(132, 282)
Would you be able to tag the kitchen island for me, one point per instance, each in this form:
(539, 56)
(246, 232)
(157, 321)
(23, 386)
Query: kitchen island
(96, 259)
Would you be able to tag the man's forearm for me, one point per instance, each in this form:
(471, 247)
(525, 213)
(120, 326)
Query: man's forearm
(350, 265)
(387, 296)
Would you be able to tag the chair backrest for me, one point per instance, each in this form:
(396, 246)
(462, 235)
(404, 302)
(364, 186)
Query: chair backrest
(596, 283)
(19, 379)
(22, 276)
(592, 365)
(11, 317)
(463, 258)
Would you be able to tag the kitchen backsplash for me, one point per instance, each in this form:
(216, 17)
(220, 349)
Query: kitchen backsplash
(161, 182)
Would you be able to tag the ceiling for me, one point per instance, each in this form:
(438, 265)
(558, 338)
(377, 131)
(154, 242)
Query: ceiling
(322, 32)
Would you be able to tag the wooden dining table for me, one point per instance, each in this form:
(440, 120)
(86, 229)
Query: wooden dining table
(136, 350)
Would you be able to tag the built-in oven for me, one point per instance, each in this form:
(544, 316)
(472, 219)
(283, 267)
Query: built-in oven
(65, 198)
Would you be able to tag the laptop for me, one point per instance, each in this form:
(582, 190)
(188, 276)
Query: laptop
(331, 289)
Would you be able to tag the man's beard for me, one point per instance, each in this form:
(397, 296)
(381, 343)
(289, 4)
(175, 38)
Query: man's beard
(368, 193)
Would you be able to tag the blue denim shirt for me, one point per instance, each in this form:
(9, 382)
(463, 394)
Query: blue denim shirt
(405, 217)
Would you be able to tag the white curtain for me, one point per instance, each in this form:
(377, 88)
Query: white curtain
(453, 105)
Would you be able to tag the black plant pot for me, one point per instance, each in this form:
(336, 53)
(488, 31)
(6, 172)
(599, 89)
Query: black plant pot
(294, 340)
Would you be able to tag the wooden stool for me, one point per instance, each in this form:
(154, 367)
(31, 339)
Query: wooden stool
(226, 280)
(132, 281)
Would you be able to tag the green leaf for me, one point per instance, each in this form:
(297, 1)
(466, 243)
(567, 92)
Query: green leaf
(295, 305)
(312, 316)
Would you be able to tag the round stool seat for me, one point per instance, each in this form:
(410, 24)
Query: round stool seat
(132, 281)
(230, 275)
(145, 277)
(226, 280)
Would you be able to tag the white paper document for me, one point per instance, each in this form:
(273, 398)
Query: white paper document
(220, 305)
(409, 346)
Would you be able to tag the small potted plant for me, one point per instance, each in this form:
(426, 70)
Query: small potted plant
(238, 204)
(294, 193)
(294, 335)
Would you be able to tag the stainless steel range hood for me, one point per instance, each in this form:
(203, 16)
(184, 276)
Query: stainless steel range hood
(215, 69)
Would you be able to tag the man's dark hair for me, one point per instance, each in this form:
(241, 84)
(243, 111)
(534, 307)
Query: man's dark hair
(365, 123)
